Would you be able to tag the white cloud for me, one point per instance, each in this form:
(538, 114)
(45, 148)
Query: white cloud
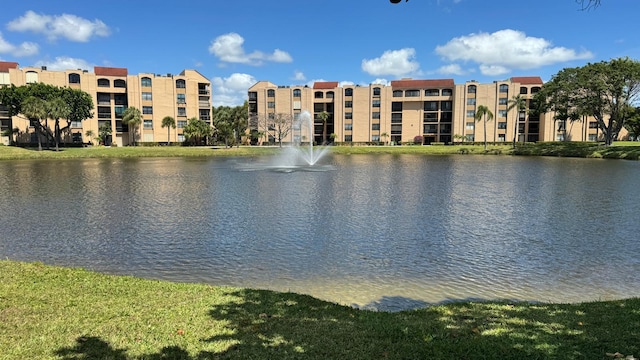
(24, 49)
(228, 48)
(346, 83)
(311, 82)
(392, 62)
(298, 76)
(499, 52)
(381, 82)
(65, 63)
(452, 69)
(232, 90)
(68, 26)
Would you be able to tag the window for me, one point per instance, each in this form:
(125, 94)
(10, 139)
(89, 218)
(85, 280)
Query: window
(145, 82)
(446, 105)
(181, 98)
(146, 96)
(329, 94)
(253, 96)
(104, 99)
(104, 83)
(471, 101)
(375, 138)
(447, 92)
(397, 93)
(375, 115)
(470, 126)
(430, 117)
(471, 113)
(502, 125)
(430, 128)
(104, 112)
(348, 115)
(271, 93)
(180, 137)
(503, 101)
(318, 107)
(348, 92)
(347, 138)
(148, 124)
(523, 90)
(471, 89)
(396, 129)
(120, 99)
(502, 113)
(297, 93)
(318, 95)
(504, 88)
(348, 126)
(593, 124)
(74, 78)
(535, 89)
(31, 77)
(593, 137)
(181, 124)
(375, 103)
(396, 106)
(432, 92)
(119, 110)
(271, 104)
(446, 116)
(119, 83)
(412, 93)
(376, 91)
(348, 104)
(181, 84)
(445, 128)
(396, 117)
(182, 111)
(76, 124)
(148, 110)
(430, 106)
(375, 126)
(502, 137)
(76, 138)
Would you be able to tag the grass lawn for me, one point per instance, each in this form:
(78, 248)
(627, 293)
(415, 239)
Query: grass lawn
(51, 312)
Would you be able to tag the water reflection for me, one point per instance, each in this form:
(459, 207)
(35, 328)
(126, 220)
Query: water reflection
(388, 232)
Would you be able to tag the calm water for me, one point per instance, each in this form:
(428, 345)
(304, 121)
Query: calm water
(385, 232)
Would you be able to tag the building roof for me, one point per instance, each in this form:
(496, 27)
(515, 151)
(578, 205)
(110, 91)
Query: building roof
(422, 84)
(325, 85)
(6, 65)
(109, 71)
(527, 80)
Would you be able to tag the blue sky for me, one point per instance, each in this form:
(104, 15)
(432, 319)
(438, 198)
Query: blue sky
(236, 43)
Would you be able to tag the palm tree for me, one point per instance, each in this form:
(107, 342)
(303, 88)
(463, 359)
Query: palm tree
(484, 112)
(520, 104)
(90, 135)
(57, 109)
(324, 116)
(384, 135)
(132, 117)
(35, 108)
(169, 123)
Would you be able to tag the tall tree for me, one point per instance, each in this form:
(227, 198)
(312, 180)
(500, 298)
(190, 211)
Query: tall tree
(324, 116)
(57, 108)
(633, 122)
(520, 103)
(169, 123)
(133, 118)
(603, 90)
(197, 131)
(104, 131)
(483, 113)
(35, 110)
(223, 123)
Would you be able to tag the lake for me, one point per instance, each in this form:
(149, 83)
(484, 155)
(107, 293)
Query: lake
(386, 232)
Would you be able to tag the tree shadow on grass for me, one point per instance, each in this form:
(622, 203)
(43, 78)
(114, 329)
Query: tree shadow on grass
(270, 325)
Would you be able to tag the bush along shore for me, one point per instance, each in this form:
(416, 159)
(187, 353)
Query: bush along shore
(620, 150)
(50, 312)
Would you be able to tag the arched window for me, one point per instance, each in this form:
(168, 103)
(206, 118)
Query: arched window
(523, 90)
(297, 93)
(119, 83)
(397, 93)
(181, 84)
(330, 94)
(348, 92)
(504, 88)
(271, 93)
(145, 82)
(318, 95)
(535, 89)
(447, 92)
(432, 92)
(376, 91)
(31, 77)
(471, 89)
(74, 78)
(104, 82)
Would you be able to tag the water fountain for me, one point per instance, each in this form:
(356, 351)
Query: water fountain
(301, 155)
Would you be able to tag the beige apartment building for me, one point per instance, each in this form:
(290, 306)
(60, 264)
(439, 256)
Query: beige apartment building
(182, 96)
(429, 111)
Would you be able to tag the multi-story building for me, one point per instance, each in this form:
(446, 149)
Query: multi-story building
(183, 96)
(407, 110)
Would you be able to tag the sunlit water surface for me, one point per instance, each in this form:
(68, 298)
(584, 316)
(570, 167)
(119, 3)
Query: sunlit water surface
(384, 232)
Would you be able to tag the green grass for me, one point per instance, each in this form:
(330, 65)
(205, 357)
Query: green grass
(629, 150)
(63, 313)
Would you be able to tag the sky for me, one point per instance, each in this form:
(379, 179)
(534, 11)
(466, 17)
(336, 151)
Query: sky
(240, 42)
